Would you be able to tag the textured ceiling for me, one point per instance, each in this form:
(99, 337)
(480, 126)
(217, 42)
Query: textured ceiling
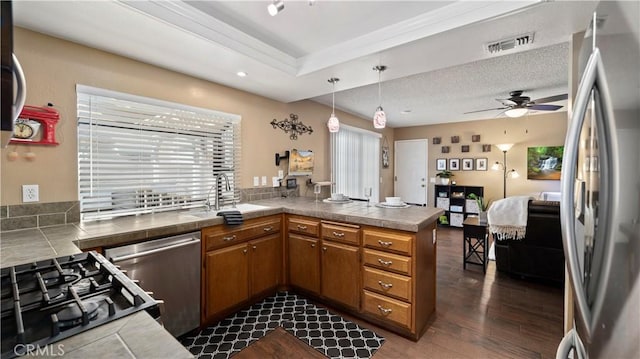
(445, 95)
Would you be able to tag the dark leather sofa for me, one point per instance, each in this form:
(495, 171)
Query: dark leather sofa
(539, 255)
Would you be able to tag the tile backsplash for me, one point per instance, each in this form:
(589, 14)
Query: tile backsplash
(35, 215)
(258, 193)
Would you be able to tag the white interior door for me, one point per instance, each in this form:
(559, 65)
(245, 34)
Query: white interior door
(411, 171)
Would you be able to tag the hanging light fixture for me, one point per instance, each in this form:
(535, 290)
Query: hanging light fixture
(333, 124)
(275, 7)
(516, 112)
(379, 117)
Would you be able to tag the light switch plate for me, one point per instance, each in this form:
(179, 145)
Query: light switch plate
(256, 181)
(280, 174)
(264, 180)
(30, 193)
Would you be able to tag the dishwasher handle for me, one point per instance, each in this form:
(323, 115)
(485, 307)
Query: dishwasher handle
(153, 251)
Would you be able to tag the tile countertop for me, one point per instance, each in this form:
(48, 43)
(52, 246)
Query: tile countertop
(138, 334)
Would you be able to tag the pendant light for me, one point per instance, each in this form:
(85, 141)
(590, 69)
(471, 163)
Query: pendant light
(333, 124)
(379, 117)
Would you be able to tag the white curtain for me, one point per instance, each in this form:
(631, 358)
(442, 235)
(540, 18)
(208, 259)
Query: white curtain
(355, 162)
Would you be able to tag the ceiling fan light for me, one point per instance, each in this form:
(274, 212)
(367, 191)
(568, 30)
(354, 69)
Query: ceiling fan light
(516, 112)
(379, 118)
(275, 7)
(333, 124)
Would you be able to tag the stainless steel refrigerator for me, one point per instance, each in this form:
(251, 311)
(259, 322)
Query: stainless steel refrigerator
(600, 206)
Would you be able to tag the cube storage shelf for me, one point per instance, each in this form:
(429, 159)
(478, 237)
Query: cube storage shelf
(453, 199)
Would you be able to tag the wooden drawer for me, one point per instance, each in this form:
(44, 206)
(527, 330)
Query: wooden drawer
(388, 241)
(309, 226)
(339, 233)
(387, 261)
(221, 236)
(387, 283)
(387, 309)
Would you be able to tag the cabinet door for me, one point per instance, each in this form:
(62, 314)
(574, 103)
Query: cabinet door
(341, 273)
(266, 263)
(227, 273)
(304, 263)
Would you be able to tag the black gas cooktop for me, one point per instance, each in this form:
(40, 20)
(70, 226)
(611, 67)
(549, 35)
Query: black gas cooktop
(46, 301)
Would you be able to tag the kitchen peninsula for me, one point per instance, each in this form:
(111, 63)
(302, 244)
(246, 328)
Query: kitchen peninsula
(412, 228)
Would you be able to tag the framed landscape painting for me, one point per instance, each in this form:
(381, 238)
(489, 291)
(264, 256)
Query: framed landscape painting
(544, 162)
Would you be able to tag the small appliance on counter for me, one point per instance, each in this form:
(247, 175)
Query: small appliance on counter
(49, 300)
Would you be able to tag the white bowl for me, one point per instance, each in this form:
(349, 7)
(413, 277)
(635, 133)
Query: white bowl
(337, 196)
(393, 200)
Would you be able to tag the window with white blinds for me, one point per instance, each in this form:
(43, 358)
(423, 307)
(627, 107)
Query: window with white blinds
(355, 162)
(140, 155)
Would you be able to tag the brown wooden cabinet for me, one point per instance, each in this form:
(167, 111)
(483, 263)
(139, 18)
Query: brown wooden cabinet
(227, 278)
(239, 263)
(398, 277)
(340, 265)
(265, 263)
(304, 262)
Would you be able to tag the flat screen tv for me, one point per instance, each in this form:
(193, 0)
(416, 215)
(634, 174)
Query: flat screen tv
(544, 162)
(301, 163)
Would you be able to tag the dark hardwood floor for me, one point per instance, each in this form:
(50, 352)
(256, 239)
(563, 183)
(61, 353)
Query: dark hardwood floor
(477, 316)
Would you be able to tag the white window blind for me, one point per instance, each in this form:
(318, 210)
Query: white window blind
(140, 155)
(355, 162)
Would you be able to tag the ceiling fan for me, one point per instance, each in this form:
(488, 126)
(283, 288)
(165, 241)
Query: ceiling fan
(518, 105)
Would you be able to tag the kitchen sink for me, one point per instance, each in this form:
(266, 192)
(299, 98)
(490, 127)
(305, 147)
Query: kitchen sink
(242, 207)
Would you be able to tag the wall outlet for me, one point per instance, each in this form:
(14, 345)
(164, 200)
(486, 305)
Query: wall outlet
(30, 193)
(280, 174)
(256, 181)
(264, 180)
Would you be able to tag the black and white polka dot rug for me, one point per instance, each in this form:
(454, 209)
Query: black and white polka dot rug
(328, 333)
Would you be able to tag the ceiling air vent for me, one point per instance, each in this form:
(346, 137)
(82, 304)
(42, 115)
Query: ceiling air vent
(510, 43)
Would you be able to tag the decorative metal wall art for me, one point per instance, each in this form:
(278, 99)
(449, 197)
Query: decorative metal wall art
(292, 126)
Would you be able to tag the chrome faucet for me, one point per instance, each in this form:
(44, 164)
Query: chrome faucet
(219, 176)
(218, 191)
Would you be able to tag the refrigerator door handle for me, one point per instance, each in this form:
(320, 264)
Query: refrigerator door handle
(570, 341)
(593, 78)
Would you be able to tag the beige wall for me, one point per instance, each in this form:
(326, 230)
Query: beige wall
(534, 130)
(53, 67)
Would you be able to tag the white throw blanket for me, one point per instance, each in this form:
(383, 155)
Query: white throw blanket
(508, 217)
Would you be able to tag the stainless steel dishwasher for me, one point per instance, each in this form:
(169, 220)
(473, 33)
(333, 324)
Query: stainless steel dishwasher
(170, 268)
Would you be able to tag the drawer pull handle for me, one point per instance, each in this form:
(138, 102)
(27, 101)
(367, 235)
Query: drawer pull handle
(338, 234)
(229, 238)
(254, 247)
(384, 310)
(244, 251)
(385, 244)
(313, 245)
(385, 285)
(268, 229)
(301, 227)
(384, 263)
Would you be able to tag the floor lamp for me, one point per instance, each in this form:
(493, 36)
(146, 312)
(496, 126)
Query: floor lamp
(498, 166)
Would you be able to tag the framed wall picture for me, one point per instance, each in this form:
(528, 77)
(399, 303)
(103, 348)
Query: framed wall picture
(486, 148)
(475, 138)
(445, 149)
(455, 139)
(436, 140)
(465, 148)
(481, 164)
(454, 164)
(467, 164)
(441, 164)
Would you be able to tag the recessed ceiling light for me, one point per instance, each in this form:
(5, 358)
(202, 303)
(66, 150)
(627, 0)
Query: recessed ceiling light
(405, 112)
(241, 74)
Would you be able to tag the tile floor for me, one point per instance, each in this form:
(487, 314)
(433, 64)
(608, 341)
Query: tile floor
(328, 333)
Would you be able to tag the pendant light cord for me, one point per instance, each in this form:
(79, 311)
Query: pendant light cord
(333, 98)
(379, 89)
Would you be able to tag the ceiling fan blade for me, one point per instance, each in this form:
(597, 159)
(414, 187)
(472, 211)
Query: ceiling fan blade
(551, 98)
(544, 107)
(489, 109)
